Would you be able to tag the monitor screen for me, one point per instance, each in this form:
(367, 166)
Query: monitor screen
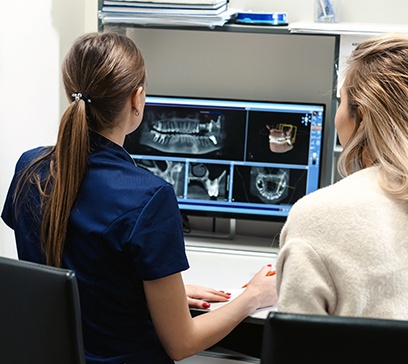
(231, 158)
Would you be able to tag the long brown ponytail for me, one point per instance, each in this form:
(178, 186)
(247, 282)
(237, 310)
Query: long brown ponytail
(68, 166)
(100, 72)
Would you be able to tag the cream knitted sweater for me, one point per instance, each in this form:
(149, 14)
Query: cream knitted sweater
(344, 251)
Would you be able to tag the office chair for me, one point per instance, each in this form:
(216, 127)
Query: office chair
(40, 320)
(295, 338)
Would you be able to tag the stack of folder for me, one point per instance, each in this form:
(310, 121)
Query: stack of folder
(156, 12)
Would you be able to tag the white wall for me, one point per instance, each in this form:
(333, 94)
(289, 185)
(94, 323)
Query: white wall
(34, 40)
(34, 36)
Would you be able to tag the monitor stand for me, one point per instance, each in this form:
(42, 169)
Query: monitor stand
(212, 233)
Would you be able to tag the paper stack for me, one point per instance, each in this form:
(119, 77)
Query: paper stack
(173, 12)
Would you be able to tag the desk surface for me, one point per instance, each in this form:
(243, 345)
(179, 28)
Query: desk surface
(227, 270)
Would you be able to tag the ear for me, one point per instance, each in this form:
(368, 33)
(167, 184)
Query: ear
(360, 112)
(137, 99)
(361, 116)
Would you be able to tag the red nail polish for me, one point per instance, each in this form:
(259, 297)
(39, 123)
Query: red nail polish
(269, 265)
(206, 305)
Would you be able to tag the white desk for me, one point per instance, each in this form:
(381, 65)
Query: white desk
(227, 266)
(226, 269)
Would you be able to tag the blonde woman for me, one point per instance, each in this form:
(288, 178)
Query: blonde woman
(344, 249)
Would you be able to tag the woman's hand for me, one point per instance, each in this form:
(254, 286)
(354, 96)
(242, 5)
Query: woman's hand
(199, 296)
(182, 335)
(263, 287)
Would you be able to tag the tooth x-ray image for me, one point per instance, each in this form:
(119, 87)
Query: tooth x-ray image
(207, 181)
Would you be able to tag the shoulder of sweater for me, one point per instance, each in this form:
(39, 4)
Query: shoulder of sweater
(356, 186)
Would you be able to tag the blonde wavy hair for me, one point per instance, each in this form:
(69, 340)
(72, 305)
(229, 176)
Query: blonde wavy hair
(376, 85)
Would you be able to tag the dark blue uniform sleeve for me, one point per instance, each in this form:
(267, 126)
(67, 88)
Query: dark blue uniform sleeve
(24, 217)
(8, 213)
(157, 239)
(9, 210)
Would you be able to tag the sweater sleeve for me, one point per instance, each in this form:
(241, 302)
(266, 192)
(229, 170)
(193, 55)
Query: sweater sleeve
(303, 280)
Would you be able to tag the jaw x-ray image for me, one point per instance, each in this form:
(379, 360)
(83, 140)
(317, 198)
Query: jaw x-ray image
(269, 184)
(183, 131)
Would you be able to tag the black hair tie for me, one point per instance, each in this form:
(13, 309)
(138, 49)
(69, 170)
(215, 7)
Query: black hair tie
(81, 96)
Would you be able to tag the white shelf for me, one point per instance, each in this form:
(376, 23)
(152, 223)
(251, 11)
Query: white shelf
(346, 28)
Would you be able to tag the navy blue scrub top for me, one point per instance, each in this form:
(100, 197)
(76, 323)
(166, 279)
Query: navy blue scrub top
(124, 228)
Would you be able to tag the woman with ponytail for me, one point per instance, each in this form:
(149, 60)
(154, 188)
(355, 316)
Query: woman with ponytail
(84, 205)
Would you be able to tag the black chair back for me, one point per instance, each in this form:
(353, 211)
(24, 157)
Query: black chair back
(295, 338)
(40, 319)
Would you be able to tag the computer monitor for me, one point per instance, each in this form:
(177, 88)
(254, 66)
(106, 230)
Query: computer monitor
(232, 158)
